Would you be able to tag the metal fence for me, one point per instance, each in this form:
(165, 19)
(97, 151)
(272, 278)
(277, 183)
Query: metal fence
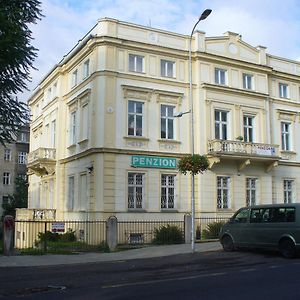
(209, 228)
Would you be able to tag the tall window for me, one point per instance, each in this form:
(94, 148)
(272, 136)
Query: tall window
(71, 185)
(251, 191)
(83, 192)
(167, 191)
(135, 118)
(135, 190)
(22, 158)
(6, 178)
(220, 76)
(223, 192)
(248, 128)
(167, 68)
(283, 90)
(285, 136)
(86, 68)
(7, 154)
(136, 63)
(221, 124)
(73, 128)
(74, 78)
(84, 121)
(167, 122)
(53, 133)
(247, 81)
(288, 190)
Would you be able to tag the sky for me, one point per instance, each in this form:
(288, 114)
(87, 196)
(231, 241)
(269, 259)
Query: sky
(274, 24)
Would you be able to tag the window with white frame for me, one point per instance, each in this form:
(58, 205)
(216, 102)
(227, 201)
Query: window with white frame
(220, 76)
(221, 124)
(23, 137)
(22, 158)
(283, 90)
(135, 118)
(7, 154)
(73, 128)
(251, 191)
(223, 192)
(86, 69)
(84, 122)
(248, 128)
(83, 192)
(22, 176)
(6, 178)
(288, 190)
(167, 68)
(167, 191)
(71, 194)
(75, 78)
(135, 190)
(167, 122)
(286, 136)
(53, 133)
(247, 81)
(136, 63)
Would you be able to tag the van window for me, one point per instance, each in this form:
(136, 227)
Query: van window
(272, 215)
(241, 217)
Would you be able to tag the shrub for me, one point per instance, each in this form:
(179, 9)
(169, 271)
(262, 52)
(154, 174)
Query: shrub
(69, 236)
(49, 236)
(169, 234)
(212, 230)
(103, 247)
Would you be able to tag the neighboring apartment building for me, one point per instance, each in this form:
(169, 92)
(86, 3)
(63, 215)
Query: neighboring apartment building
(13, 160)
(104, 140)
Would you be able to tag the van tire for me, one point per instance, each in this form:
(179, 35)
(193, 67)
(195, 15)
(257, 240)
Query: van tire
(227, 243)
(287, 248)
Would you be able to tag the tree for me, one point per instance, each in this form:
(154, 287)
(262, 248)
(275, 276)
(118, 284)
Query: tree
(18, 200)
(16, 60)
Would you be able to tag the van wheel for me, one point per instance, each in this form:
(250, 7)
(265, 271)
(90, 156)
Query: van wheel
(287, 248)
(227, 243)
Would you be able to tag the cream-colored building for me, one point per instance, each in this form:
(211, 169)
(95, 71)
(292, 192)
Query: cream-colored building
(104, 140)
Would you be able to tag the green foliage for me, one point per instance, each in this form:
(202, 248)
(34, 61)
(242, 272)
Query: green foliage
(193, 164)
(169, 234)
(49, 236)
(212, 230)
(103, 247)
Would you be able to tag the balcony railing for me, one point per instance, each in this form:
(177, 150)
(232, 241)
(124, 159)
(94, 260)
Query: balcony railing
(42, 154)
(242, 148)
(35, 214)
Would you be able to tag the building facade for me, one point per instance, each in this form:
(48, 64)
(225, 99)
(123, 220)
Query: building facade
(104, 140)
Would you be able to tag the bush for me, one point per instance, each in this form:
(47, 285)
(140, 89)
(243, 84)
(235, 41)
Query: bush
(56, 237)
(169, 234)
(212, 230)
(103, 247)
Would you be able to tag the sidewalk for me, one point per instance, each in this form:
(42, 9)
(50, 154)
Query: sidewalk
(81, 258)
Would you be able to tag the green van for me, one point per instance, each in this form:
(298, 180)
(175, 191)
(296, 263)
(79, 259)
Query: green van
(273, 226)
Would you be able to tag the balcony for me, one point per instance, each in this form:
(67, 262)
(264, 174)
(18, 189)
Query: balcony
(35, 214)
(243, 152)
(42, 161)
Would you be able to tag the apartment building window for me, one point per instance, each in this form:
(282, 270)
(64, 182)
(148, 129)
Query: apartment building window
(248, 128)
(86, 69)
(83, 192)
(71, 186)
(221, 124)
(167, 68)
(251, 191)
(7, 154)
(74, 78)
(223, 192)
(23, 137)
(167, 122)
(22, 158)
(84, 122)
(5, 200)
(220, 76)
(6, 178)
(73, 128)
(135, 118)
(53, 133)
(288, 190)
(283, 90)
(167, 191)
(285, 136)
(247, 81)
(22, 176)
(136, 63)
(135, 190)
(54, 90)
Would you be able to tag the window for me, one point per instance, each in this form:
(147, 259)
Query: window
(6, 178)
(285, 136)
(167, 191)
(71, 185)
(220, 76)
(167, 68)
(248, 128)
(74, 78)
(272, 215)
(84, 122)
(7, 154)
(22, 158)
(53, 133)
(250, 191)
(222, 192)
(54, 89)
(136, 63)
(247, 81)
(288, 190)
(83, 192)
(241, 216)
(86, 68)
(23, 137)
(167, 122)
(5, 200)
(135, 190)
(135, 118)
(73, 128)
(221, 125)
(283, 90)
(22, 176)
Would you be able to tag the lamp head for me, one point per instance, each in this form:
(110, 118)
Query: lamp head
(205, 14)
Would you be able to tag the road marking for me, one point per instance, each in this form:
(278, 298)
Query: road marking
(161, 280)
(248, 270)
(273, 267)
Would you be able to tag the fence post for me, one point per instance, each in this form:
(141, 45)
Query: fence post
(8, 235)
(187, 229)
(112, 232)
